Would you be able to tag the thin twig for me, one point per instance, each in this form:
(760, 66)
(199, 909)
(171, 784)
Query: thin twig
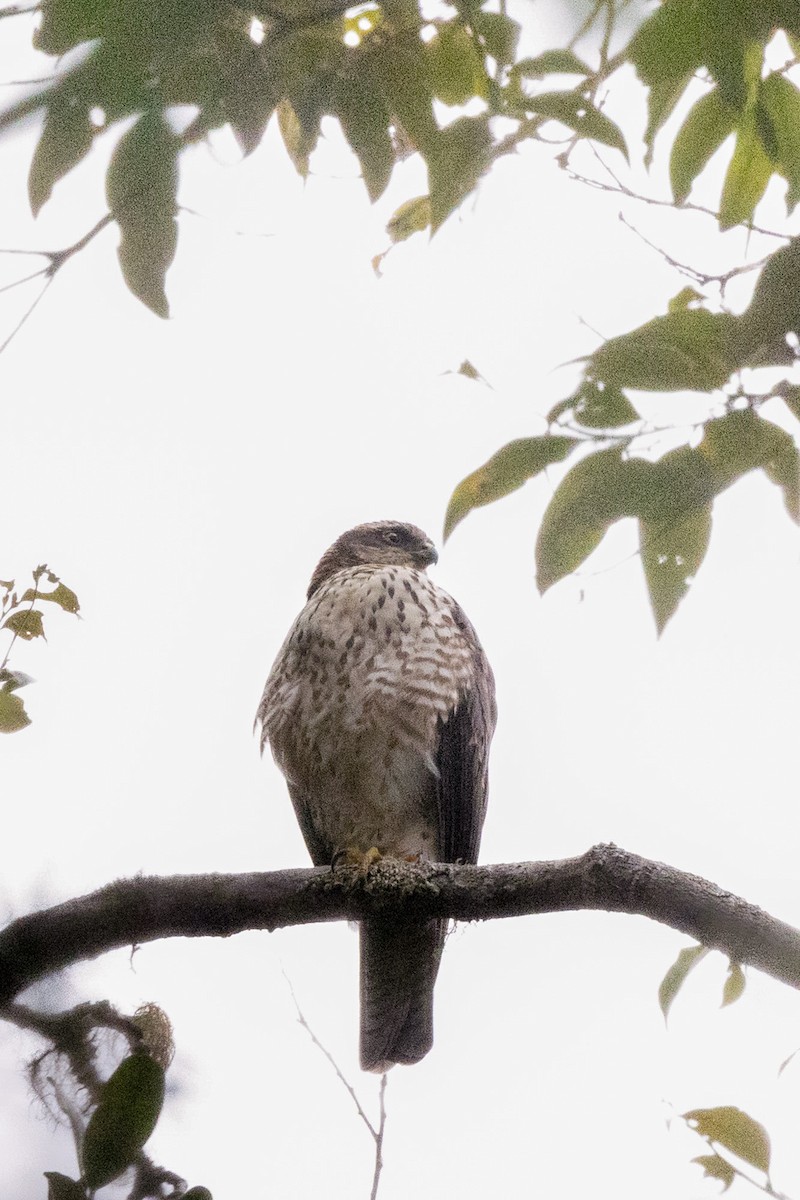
(340, 1075)
(703, 277)
(56, 260)
(621, 189)
(376, 1178)
(25, 315)
(376, 1134)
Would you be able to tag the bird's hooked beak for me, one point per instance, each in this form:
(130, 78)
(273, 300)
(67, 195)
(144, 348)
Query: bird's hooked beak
(429, 554)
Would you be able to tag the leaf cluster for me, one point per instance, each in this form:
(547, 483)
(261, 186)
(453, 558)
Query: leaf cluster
(726, 41)
(599, 431)
(386, 75)
(22, 618)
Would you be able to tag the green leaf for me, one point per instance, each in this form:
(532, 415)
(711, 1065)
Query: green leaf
(141, 187)
(126, 1115)
(693, 350)
(774, 309)
(456, 69)
(708, 124)
(747, 177)
(734, 1130)
(715, 1167)
(499, 34)
(411, 217)
(734, 984)
(551, 62)
(455, 164)
(790, 394)
(400, 74)
(67, 23)
(12, 712)
(684, 299)
(66, 137)
(596, 405)
(579, 114)
(677, 975)
(598, 491)
(741, 442)
(365, 124)
(26, 625)
(670, 44)
(249, 88)
(664, 97)
(781, 102)
(672, 553)
(61, 1187)
(505, 471)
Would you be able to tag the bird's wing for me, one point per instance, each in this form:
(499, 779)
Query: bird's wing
(462, 756)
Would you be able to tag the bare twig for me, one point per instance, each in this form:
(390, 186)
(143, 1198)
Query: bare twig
(619, 188)
(721, 278)
(375, 1133)
(56, 260)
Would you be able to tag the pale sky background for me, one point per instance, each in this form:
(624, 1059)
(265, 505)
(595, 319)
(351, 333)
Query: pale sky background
(185, 476)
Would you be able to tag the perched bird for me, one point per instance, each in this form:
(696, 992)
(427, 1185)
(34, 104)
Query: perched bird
(379, 711)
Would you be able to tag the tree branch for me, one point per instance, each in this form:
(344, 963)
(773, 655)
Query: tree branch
(607, 878)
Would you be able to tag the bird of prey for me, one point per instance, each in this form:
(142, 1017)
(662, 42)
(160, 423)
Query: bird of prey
(379, 710)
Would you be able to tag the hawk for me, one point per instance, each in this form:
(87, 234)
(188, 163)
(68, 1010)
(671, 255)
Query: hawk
(379, 711)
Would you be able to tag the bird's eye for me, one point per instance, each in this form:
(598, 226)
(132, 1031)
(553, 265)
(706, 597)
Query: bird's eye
(391, 535)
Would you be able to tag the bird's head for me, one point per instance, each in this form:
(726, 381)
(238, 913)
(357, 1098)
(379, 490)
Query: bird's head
(378, 543)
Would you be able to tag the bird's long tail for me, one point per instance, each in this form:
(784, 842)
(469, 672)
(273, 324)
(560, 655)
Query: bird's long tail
(399, 963)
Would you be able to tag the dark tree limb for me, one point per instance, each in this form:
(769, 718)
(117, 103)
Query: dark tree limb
(133, 911)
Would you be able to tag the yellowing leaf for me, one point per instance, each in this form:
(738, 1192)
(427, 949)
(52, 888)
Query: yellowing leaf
(734, 984)
(504, 472)
(12, 712)
(715, 1167)
(27, 624)
(63, 596)
(411, 217)
(298, 141)
(677, 975)
(746, 179)
(735, 1130)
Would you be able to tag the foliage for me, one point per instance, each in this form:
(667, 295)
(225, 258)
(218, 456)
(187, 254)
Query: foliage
(111, 1119)
(24, 621)
(454, 88)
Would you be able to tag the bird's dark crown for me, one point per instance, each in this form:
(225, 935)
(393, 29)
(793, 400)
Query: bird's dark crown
(378, 543)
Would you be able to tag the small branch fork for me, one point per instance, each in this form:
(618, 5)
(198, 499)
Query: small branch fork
(376, 1133)
(606, 878)
(55, 261)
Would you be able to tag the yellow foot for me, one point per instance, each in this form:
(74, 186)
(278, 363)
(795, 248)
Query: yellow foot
(352, 857)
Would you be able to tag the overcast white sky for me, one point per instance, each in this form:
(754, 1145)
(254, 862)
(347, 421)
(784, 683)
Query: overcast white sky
(184, 478)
